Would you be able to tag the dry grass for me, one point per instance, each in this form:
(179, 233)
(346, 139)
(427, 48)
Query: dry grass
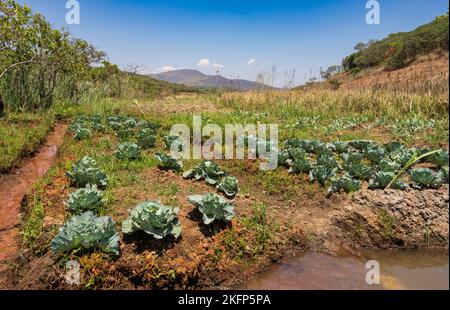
(341, 102)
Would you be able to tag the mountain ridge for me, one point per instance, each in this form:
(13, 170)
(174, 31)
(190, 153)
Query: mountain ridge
(191, 77)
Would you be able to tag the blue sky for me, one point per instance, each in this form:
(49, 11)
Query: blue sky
(303, 35)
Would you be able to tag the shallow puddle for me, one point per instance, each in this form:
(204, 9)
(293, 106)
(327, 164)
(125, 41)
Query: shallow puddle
(14, 186)
(399, 270)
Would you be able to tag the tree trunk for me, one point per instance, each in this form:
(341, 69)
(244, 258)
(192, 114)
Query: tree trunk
(2, 107)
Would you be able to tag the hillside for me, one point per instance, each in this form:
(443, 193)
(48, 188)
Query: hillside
(196, 78)
(400, 49)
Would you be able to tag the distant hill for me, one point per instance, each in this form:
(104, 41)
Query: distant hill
(196, 78)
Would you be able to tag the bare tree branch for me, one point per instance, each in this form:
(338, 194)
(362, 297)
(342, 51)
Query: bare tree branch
(15, 65)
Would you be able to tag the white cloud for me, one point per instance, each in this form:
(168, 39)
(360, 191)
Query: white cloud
(204, 63)
(165, 69)
(251, 61)
(218, 66)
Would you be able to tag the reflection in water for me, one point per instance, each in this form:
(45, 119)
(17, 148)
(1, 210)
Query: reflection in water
(425, 269)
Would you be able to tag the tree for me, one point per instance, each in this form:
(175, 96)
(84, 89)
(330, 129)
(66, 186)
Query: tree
(39, 64)
(360, 46)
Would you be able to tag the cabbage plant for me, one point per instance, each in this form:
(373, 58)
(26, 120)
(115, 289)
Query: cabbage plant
(229, 186)
(146, 138)
(82, 133)
(85, 199)
(426, 178)
(346, 183)
(439, 159)
(298, 161)
(387, 165)
(87, 231)
(207, 170)
(358, 170)
(213, 207)
(85, 171)
(167, 162)
(361, 144)
(382, 179)
(154, 219)
(375, 153)
(175, 141)
(321, 173)
(444, 174)
(129, 151)
(338, 146)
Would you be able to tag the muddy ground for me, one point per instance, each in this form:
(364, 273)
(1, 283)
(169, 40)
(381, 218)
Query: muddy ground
(270, 225)
(226, 255)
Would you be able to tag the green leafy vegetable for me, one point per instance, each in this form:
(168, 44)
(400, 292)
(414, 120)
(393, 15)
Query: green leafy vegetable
(146, 138)
(299, 161)
(82, 133)
(381, 179)
(153, 218)
(444, 174)
(87, 231)
(229, 186)
(361, 144)
(375, 153)
(387, 165)
(207, 170)
(85, 199)
(358, 170)
(167, 162)
(439, 159)
(321, 173)
(213, 207)
(174, 141)
(85, 171)
(426, 178)
(338, 146)
(129, 151)
(346, 183)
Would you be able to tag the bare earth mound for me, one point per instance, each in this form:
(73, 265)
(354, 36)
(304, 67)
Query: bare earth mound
(399, 219)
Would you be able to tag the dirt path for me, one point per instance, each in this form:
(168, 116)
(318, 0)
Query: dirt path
(14, 186)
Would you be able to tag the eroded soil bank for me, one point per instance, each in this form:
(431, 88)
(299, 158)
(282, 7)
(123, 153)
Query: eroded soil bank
(13, 188)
